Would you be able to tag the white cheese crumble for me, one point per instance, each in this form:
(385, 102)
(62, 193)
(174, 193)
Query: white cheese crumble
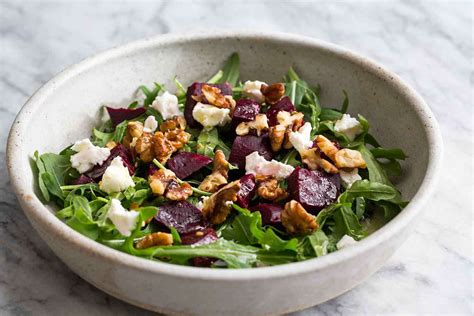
(345, 241)
(87, 155)
(150, 125)
(256, 164)
(125, 221)
(251, 89)
(209, 115)
(348, 126)
(167, 105)
(116, 177)
(349, 177)
(301, 139)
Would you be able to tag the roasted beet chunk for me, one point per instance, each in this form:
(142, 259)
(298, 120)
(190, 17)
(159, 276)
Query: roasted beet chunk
(247, 190)
(313, 189)
(284, 104)
(117, 116)
(119, 150)
(182, 215)
(245, 111)
(184, 164)
(245, 145)
(271, 213)
(195, 90)
(198, 238)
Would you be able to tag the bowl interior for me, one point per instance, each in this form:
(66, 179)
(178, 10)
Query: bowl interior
(70, 109)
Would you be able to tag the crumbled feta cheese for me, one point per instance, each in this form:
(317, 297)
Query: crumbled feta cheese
(140, 97)
(345, 241)
(349, 177)
(125, 221)
(301, 139)
(87, 155)
(116, 177)
(348, 126)
(256, 164)
(167, 105)
(251, 89)
(150, 124)
(209, 115)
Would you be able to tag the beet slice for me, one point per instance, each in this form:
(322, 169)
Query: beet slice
(197, 238)
(245, 145)
(117, 116)
(181, 215)
(271, 213)
(245, 111)
(120, 150)
(247, 190)
(195, 90)
(313, 189)
(184, 164)
(284, 104)
(83, 179)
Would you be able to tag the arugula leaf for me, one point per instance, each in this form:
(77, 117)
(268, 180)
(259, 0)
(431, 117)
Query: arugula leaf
(306, 99)
(388, 153)
(374, 191)
(345, 103)
(319, 242)
(207, 142)
(101, 138)
(231, 70)
(150, 95)
(330, 115)
(215, 79)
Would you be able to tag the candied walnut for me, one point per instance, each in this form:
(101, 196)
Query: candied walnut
(313, 160)
(260, 123)
(219, 173)
(268, 189)
(273, 92)
(178, 192)
(326, 146)
(134, 131)
(143, 146)
(177, 138)
(164, 183)
(217, 207)
(177, 122)
(296, 220)
(155, 239)
(349, 158)
(280, 134)
(277, 136)
(214, 97)
(160, 180)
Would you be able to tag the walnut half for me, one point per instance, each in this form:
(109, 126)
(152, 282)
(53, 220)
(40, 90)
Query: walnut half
(217, 207)
(280, 134)
(260, 124)
(313, 160)
(164, 183)
(219, 173)
(268, 189)
(155, 239)
(296, 220)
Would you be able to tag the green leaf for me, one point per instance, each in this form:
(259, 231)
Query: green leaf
(319, 242)
(176, 237)
(101, 138)
(150, 95)
(215, 79)
(207, 141)
(120, 131)
(388, 153)
(346, 223)
(345, 103)
(330, 115)
(231, 70)
(374, 191)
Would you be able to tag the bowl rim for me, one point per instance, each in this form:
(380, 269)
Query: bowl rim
(35, 208)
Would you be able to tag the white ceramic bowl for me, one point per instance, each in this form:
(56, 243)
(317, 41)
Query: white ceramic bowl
(65, 109)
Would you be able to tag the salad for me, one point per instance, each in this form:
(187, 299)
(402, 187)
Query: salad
(225, 174)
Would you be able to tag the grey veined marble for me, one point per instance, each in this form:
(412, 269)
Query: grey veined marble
(428, 43)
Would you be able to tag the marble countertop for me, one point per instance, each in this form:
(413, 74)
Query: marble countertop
(428, 43)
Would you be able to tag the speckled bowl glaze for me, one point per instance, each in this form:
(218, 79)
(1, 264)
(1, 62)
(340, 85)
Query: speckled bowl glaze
(65, 109)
